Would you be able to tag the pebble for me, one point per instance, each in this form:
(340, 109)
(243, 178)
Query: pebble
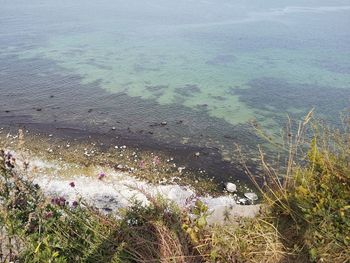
(180, 169)
(242, 201)
(251, 196)
(197, 154)
(230, 187)
(119, 166)
(163, 123)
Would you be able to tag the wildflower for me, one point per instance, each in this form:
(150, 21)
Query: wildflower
(48, 215)
(101, 176)
(142, 164)
(75, 204)
(60, 201)
(72, 184)
(156, 160)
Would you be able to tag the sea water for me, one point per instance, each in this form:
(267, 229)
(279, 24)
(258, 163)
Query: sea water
(207, 68)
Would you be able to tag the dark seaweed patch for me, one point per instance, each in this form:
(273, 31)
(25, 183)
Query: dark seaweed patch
(94, 63)
(140, 68)
(157, 90)
(220, 98)
(202, 107)
(188, 90)
(332, 66)
(221, 60)
(272, 93)
(78, 109)
(156, 87)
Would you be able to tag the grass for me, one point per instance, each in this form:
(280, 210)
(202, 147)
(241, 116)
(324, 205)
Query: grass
(305, 215)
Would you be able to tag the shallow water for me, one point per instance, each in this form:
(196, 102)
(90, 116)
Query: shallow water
(205, 67)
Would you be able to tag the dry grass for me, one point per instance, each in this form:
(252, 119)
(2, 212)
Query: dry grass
(254, 240)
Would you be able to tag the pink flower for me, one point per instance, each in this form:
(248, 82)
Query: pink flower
(101, 176)
(156, 160)
(72, 184)
(142, 164)
(60, 201)
(48, 215)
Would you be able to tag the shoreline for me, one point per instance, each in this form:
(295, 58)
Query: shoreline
(205, 162)
(109, 189)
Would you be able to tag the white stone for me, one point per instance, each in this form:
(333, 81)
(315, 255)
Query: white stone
(242, 201)
(230, 187)
(251, 196)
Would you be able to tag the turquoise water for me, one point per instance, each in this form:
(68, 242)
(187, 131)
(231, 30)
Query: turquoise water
(228, 62)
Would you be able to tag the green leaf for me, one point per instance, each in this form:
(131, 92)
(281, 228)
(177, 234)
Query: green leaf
(202, 222)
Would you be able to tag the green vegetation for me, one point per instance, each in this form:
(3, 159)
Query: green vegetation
(305, 216)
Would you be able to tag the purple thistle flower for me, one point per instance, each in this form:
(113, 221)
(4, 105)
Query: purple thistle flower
(72, 184)
(60, 201)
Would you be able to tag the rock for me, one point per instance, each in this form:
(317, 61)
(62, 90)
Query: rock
(251, 196)
(197, 154)
(230, 187)
(163, 123)
(107, 209)
(242, 201)
(113, 128)
(123, 168)
(180, 169)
